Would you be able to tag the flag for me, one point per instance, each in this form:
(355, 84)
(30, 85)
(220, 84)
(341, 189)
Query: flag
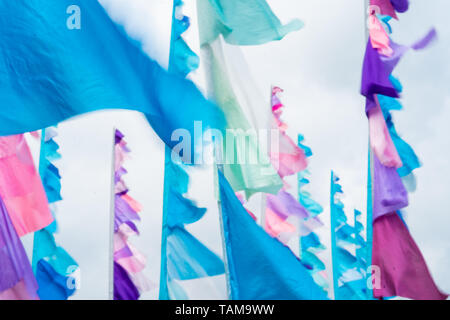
(21, 187)
(259, 266)
(403, 270)
(16, 277)
(401, 264)
(183, 256)
(52, 265)
(249, 22)
(128, 261)
(51, 71)
(223, 27)
(349, 281)
(310, 244)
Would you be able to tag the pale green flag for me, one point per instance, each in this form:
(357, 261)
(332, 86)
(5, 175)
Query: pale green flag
(238, 22)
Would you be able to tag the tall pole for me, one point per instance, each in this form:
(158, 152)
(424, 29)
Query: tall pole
(163, 276)
(219, 167)
(111, 220)
(333, 239)
(369, 184)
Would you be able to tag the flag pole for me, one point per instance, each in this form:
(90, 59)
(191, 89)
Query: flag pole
(333, 239)
(263, 194)
(111, 220)
(369, 234)
(219, 167)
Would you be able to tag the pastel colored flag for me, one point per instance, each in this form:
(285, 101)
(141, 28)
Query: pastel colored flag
(289, 158)
(183, 256)
(52, 265)
(380, 138)
(223, 26)
(16, 277)
(389, 193)
(249, 22)
(21, 188)
(259, 266)
(129, 263)
(52, 70)
(385, 7)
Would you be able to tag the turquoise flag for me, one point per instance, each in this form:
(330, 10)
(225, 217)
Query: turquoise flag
(349, 282)
(260, 267)
(52, 265)
(183, 257)
(59, 59)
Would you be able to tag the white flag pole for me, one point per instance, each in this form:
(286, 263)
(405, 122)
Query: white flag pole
(111, 220)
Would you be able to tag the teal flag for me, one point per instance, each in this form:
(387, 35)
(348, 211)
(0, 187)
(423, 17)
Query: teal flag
(248, 22)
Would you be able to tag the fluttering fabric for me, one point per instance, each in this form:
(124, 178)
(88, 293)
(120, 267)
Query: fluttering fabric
(249, 22)
(52, 265)
(378, 35)
(230, 84)
(348, 277)
(402, 266)
(310, 245)
(389, 194)
(16, 277)
(385, 7)
(53, 285)
(400, 5)
(21, 187)
(259, 266)
(50, 72)
(285, 216)
(124, 288)
(183, 257)
(246, 163)
(380, 139)
(403, 269)
(289, 158)
(129, 281)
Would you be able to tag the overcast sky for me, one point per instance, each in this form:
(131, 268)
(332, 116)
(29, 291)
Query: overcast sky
(319, 68)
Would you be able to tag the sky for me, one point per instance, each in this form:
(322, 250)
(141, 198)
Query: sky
(319, 68)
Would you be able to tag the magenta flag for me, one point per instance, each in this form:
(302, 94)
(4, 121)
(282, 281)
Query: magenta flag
(403, 271)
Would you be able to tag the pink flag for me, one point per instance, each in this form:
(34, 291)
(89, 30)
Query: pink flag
(289, 158)
(403, 271)
(380, 138)
(276, 226)
(21, 187)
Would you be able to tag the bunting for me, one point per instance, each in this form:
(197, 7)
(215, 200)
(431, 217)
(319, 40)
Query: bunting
(286, 216)
(403, 271)
(129, 280)
(52, 265)
(183, 257)
(348, 269)
(311, 245)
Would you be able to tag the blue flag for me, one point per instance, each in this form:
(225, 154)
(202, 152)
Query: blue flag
(59, 59)
(260, 267)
